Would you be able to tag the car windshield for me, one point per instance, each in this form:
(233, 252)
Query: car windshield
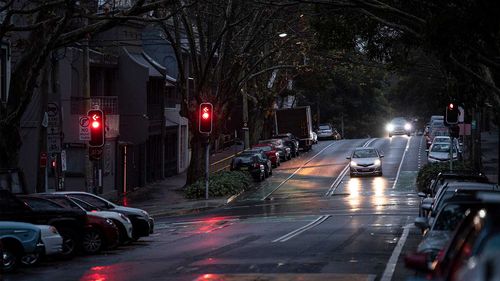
(364, 153)
(450, 217)
(324, 127)
(441, 147)
(398, 121)
(266, 148)
(441, 139)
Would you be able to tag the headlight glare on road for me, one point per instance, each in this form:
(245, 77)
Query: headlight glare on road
(354, 164)
(389, 127)
(377, 162)
(407, 126)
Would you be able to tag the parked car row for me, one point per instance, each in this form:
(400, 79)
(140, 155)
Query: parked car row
(260, 160)
(440, 147)
(64, 224)
(460, 221)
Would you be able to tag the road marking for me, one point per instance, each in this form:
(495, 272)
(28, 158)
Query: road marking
(401, 164)
(306, 227)
(338, 180)
(391, 264)
(298, 169)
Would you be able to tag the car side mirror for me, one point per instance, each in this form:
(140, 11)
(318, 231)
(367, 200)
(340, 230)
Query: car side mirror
(348, 157)
(422, 195)
(422, 223)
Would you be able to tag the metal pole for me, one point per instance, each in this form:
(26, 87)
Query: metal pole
(245, 118)
(451, 153)
(207, 166)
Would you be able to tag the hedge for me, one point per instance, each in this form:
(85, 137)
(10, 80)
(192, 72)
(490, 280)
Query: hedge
(223, 183)
(431, 170)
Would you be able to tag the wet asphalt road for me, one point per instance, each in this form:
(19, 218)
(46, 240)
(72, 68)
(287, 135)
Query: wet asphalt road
(309, 221)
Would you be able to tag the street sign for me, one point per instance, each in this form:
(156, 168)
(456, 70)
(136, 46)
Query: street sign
(53, 143)
(63, 161)
(95, 153)
(84, 128)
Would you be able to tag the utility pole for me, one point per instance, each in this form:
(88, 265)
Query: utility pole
(246, 133)
(89, 169)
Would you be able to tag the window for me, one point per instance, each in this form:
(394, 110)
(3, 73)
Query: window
(91, 200)
(41, 204)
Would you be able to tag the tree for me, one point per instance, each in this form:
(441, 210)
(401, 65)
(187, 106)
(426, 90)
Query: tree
(229, 45)
(36, 29)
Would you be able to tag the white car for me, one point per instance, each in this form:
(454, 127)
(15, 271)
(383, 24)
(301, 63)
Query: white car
(365, 161)
(52, 241)
(122, 222)
(142, 222)
(440, 152)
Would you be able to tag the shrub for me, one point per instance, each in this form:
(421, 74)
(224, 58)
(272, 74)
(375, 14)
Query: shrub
(223, 183)
(431, 170)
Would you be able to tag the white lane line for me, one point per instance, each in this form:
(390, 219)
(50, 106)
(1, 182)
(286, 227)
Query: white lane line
(401, 164)
(296, 171)
(306, 227)
(391, 264)
(342, 174)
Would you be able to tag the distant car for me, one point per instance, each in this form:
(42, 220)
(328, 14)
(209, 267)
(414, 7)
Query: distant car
(365, 161)
(283, 150)
(440, 152)
(18, 239)
(121, 221)
(290, 141)
(142, 222)
(326, 131)
(253, 162)
(399, 126)
(271, 153)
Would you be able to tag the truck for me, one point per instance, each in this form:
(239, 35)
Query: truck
(297, 121)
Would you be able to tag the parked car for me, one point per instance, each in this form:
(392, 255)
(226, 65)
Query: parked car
(271, 153)
(254, 161)
(440, 152)
(120, 220)
(69, 223)
(327, 131)
(142, 222)
(477, 234)
(53, 245)
(99, 233)
(290, 141)
(399, 126)
(18, 239)
(455, 176)
(365, 161)
(283, 150)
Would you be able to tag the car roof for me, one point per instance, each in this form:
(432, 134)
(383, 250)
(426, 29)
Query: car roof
(470, 185)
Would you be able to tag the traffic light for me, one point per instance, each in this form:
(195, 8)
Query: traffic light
(97, 126)
(205, 117)
(452, 113)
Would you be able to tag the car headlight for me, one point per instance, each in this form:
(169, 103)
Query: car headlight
(389, 127)
(407, 126)
(145, 213)
(377, 162)
(354, 164)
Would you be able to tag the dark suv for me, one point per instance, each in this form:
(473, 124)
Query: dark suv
(69, 223)
(254, 161)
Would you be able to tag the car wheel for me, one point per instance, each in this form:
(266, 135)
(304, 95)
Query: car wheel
(92, 241)
(122, 233)
(30, 259)
(70, 243)
(266, 173)
(271, 170)
(10, 258)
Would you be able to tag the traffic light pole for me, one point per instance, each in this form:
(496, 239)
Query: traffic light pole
(451, 153)
(207, 165)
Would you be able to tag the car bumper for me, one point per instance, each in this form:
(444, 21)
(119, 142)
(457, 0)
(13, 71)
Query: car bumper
(53, 245)
(325, 135)
(141, 226)
(365, 170)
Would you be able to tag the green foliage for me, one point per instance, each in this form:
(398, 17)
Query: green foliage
(431, 170)
(222, 183)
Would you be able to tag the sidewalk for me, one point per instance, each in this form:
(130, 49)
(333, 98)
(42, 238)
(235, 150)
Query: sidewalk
(489, 154)
(166, 197)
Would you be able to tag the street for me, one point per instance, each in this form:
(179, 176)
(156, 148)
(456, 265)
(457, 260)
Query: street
(309, 221)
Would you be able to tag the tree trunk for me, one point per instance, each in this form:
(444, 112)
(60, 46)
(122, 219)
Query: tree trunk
(196, 169)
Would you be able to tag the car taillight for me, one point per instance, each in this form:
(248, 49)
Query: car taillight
(256, 165)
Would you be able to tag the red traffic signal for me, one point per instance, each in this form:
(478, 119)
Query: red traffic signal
(205, 117)
(452, 113)
(97, 125)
